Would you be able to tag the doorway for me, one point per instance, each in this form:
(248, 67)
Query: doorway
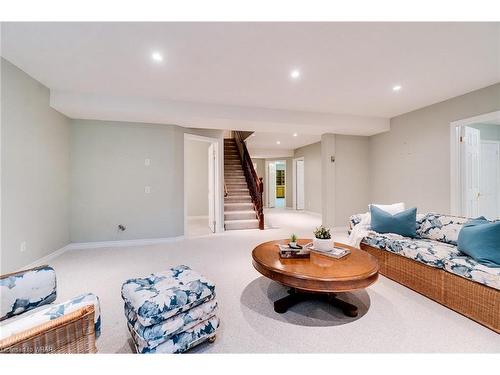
(298, 183)
(475, 164)
(276, 188)
(201, 185)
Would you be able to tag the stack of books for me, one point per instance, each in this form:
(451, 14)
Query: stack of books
(336, 252)
(288, 252)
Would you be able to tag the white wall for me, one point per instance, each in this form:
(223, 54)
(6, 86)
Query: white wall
(411, 162)
(312, 176)
(108, 179)
(35, 171)
(352, 181)
(196, 187)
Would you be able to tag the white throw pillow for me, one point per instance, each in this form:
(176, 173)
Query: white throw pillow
(393, 209)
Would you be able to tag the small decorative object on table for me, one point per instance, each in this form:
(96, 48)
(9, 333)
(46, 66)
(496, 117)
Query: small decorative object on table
(323, 239)
(293, 242)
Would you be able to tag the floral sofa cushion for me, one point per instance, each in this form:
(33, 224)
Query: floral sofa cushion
(165, 294)
(430, 252)
(179, 342)
(26, 290)
(50, 312)
(443, 228)
(468, 268)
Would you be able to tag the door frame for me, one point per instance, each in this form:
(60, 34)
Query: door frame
(490, 141)
(456, 164)
(218, 210)
(294, 181)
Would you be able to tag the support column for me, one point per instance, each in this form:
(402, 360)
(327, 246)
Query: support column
(328, 179)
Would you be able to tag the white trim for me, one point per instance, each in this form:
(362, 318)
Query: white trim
(495, 142)
(219, 208)
(123, 243)
(45, 259)
(455, 158)
(97, 245)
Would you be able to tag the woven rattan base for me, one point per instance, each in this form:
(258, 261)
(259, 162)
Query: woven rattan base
(473, 300)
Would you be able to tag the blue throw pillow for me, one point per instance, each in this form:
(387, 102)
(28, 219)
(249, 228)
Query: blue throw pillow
(480, 239)
(403, 223)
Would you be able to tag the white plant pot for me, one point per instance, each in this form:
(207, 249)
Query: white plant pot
(293, 244)
(324, 245)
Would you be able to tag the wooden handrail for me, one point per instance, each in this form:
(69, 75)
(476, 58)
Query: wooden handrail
(254, 182)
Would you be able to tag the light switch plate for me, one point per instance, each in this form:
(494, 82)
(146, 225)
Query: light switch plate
(147, 189)
(147, 162)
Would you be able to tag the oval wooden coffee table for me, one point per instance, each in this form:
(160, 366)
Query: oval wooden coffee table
(318, 276)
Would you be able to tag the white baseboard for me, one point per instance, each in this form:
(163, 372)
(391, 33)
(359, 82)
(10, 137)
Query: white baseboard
(46, 258)
(98, 245)
(122, 243)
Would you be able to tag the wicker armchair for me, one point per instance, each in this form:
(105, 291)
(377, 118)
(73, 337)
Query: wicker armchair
(30, 323)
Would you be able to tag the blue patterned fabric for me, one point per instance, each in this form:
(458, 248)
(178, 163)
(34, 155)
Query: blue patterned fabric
(443, 228)
(180, 342)
(468, 268)
(50, 312)
(156, 334)
(26, 290)
(429, 252)
(354, 220)
(148, 338)
(171, 311)
(164, 294)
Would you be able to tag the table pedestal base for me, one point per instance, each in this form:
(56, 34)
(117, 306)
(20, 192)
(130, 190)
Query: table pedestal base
(295, 296)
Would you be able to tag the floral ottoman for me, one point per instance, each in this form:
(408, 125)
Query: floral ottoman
(171, 311)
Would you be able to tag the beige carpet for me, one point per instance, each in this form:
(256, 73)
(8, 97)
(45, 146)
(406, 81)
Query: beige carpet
(392, 319)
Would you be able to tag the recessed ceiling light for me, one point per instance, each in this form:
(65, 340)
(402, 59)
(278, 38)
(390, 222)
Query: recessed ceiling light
(253, 135)
(278, 142)
(295, 74)
(156, 56)
(396, 88)
(295, 134)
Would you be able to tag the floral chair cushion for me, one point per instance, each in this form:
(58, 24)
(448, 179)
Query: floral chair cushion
(429, 252)
(179, 342)
(44, 315)
(25, 290)
(470, 269)
(158, 333)
(165, 294)
(441, 228)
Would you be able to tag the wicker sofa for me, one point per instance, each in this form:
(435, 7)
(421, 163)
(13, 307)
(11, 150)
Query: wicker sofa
(431, 265)
(31, 323)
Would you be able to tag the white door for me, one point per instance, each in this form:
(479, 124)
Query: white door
(471, 143)
(299, 188)
(271, 191)
(489, 189)
(211, 186)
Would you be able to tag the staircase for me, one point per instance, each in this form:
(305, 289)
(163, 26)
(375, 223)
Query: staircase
(239, 210)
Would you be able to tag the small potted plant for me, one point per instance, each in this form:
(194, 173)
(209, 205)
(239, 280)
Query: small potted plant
(293, 240)
(323, 239)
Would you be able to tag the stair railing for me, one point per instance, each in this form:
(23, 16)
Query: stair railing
(254, 182)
